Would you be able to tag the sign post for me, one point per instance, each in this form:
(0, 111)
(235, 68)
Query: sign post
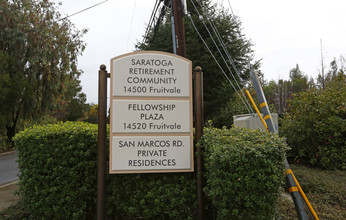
(151, 113)
(199, 122)
(102, 135)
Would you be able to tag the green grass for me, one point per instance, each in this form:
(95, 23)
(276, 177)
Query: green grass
(325, 189)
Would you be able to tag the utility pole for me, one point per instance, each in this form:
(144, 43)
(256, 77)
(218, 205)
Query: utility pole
(290, 179)
(179, 27)
(322, 65)
(178, 11)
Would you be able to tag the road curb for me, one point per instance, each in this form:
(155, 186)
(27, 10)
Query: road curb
(8, 184)
(7, 153)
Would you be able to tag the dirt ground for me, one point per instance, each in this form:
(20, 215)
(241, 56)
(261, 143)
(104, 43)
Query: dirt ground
(7, 196)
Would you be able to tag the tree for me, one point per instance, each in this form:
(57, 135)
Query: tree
(270, 91)
(336, 75)
(279, 93)
(234, 106)
(92, 115)
(217, 90)
(38, 51)
(77, 108)
(299, 81)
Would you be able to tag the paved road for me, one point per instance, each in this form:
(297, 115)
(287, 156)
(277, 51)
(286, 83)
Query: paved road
(8, 168)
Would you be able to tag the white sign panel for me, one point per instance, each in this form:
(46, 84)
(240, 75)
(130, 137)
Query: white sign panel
(151, 74)
(151, 153)
(151, 113)
(143, 116)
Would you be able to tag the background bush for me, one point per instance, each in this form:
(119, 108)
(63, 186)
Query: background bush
(315, 127)
(236, 106)
(244, 170)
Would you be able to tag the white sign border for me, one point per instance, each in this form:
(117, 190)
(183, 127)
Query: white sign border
(152, 134)
(182, 79)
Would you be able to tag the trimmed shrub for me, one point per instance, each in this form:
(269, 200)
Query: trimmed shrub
(58, 170)
(152, 196)
(57, 162)
(315, 127)
(244, 171)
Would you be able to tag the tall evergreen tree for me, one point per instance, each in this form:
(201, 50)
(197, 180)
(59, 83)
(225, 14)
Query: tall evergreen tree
(217, 90)
(38, 53)
(299, 81)
(336, 76)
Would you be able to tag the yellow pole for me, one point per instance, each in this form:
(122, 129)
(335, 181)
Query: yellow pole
(288, 171)
(304, 196)
(259, 114)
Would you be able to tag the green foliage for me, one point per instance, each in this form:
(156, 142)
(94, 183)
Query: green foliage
(14, 212)
(278, 93)
(77, 108)
(299, 81)
(4, 145)
(42, 120)
(58, 170)
(270, 90)
(335, 76)
(217, 90)
(325, 189)
(244, 170)
(38, 67)
(234, 106)
(237, 106)
(152, 196)
(92, 114)
(315, 127)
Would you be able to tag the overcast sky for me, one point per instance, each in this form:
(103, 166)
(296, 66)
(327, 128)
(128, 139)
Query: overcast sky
(285, 33)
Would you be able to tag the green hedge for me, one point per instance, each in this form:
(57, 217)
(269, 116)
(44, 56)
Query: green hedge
(57, 165)
(57, 162)
(152, 196)
(243, 169)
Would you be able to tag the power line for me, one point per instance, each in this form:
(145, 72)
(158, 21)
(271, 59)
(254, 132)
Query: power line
(243, 99)
(133, 12)
(247, 105)
(151, 20)
(216, 32)
(68, 16)
(230, 7)
(228, 79)
(162, 14)
(154, 20)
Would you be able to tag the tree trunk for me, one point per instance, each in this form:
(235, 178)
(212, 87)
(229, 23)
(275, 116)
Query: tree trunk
(11, 129)
(10, 132)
